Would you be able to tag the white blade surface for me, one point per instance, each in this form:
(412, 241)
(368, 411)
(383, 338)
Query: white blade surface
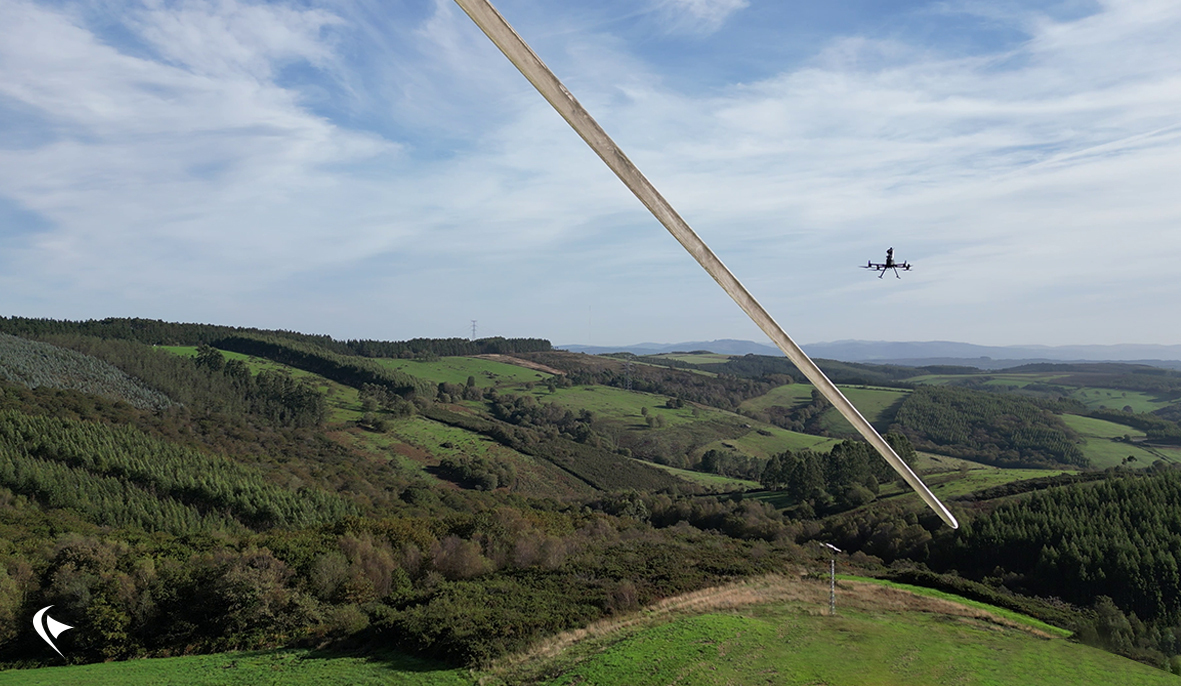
(519, 53)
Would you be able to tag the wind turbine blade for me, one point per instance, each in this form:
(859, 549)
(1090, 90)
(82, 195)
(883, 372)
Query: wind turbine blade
(530, 65)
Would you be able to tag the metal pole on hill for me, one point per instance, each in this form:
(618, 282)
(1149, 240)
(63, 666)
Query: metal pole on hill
(530, 65)
(832, 579)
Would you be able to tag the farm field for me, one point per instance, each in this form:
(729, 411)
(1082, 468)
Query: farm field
(1112, 398)
(1104, 450)
(456, 370)
(781, 396)
(625, 406)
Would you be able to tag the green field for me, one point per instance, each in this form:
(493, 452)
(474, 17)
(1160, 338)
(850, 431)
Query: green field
(1104, 450)
(758, 445)
(706, 358)
(951, 485)
(780, 396)
(1020, 380)
(868, 643)
(625, 406)
(1111, 398)
(875, 404)
(717, 481)
(268, 668)
(456, 370)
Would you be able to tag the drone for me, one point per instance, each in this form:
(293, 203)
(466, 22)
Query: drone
(888, 264)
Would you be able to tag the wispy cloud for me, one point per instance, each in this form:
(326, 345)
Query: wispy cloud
(698, 16)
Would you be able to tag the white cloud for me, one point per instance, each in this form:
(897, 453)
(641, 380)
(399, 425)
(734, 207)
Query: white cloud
(698, 16)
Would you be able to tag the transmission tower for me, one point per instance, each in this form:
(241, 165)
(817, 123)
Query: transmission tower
(473, 329)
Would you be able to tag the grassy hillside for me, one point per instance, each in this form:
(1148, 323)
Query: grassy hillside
(779, 632)
(456, 370)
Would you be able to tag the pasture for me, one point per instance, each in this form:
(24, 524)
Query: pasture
(456, 370)
(1115, 399)
(780, 396)
(760, 445)
(1103, 446)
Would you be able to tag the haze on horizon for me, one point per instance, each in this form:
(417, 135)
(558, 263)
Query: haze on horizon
(379, 170)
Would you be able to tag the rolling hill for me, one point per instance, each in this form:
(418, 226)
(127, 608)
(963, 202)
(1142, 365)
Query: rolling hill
(373, 496)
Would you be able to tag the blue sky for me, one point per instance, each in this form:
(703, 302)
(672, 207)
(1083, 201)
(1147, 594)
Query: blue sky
(376, 169)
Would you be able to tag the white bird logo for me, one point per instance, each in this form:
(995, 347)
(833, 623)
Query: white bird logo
(50, 625)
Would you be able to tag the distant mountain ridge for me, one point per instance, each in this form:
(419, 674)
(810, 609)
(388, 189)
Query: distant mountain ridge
(922, 352)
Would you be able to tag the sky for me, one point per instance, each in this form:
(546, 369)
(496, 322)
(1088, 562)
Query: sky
(377, 169)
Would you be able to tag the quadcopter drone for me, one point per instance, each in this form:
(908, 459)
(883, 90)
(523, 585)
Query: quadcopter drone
(888, 264)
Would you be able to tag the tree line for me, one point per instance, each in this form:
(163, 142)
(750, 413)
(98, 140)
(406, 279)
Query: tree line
(156, 332)
(996, 429)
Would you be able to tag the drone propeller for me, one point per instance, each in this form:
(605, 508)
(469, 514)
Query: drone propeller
(518, 52)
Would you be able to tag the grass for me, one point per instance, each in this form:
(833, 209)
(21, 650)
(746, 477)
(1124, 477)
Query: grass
(456, 370)
(875, 404)
(1017, 617)
(778, 632)
(627, 406)
(955, 484)
(1103, 450)
(1020, 380)
(608, 402)
(762, 446)
(780, 396)
(268, 668)
(1095, 398)
(705, 358)
(723, 483)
